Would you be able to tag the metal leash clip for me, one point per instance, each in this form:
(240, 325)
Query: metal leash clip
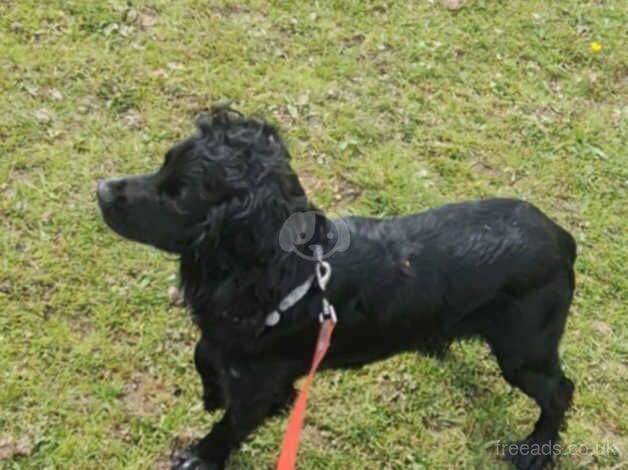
(323, 274)
(328, 313)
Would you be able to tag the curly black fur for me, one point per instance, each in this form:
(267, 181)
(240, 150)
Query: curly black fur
(496, 269)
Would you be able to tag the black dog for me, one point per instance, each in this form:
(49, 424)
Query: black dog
(228, 203)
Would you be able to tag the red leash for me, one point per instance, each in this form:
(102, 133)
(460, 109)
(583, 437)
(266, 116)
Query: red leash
(290, 444)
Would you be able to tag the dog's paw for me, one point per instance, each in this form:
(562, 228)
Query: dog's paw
(188, 460)
(531, 454)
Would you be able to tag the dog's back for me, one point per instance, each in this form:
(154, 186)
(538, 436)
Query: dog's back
(461, 254)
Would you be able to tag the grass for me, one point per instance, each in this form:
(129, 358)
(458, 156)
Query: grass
(388, 108)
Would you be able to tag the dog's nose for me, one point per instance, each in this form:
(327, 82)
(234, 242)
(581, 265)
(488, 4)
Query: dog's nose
(104, 192)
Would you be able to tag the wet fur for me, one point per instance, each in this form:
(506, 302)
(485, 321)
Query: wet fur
(495, 269)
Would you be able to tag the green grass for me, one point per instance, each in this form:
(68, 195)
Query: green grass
(388, 108)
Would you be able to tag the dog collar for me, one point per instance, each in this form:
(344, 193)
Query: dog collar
(322, 275)
(289, 301)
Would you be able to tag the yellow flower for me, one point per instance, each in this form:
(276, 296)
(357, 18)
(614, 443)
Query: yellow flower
(596, 47)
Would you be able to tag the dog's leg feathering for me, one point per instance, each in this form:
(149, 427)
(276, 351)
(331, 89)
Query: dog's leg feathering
(253, 394)
(206, 360)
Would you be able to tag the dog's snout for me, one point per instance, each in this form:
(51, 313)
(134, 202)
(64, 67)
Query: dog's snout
(109, 191)
(104, 192)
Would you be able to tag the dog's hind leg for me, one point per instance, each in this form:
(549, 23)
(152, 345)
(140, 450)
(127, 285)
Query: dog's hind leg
(254, 392)
(528, 357)
(552, 391)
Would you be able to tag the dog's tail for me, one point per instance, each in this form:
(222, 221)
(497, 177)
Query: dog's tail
(569, 244)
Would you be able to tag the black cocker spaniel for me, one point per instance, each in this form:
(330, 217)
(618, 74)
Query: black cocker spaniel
(227, 202)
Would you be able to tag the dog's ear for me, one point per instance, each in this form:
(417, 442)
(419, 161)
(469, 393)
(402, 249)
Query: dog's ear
(261, 213)
(253, 164)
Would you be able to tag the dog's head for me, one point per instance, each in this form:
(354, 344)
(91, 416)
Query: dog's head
(234, 169)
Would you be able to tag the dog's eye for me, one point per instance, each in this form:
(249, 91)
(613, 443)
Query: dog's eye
(173, 191)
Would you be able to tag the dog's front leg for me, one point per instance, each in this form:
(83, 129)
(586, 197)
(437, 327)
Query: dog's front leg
(254, 393)
(208, 359)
